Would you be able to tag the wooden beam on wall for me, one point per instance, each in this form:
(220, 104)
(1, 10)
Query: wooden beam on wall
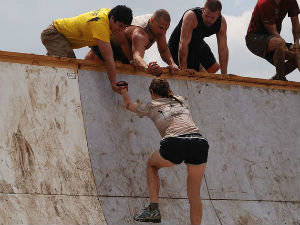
(76, 64)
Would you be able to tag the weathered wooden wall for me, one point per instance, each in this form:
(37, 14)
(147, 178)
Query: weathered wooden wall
(71, 154)
(45, 170)
(253, 171)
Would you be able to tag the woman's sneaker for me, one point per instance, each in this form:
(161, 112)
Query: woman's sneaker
(148, 215)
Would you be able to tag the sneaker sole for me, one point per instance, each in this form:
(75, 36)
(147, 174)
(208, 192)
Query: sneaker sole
(149, 220)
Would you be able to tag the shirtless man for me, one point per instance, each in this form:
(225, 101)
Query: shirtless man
(137, 38)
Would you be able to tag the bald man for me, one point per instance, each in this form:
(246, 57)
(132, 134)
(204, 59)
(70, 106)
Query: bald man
(143, 32)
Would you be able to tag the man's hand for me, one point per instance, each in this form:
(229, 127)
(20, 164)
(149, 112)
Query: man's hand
(295, 47)
(154, 69)
(173, 68)
(122, 85)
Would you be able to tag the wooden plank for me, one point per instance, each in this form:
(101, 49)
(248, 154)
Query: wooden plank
(76, 64)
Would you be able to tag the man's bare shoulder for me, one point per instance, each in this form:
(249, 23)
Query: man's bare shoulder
(190, 18)
(134, 31)
(223, 22)
(139, 33)
(223, 27)
(223, 19)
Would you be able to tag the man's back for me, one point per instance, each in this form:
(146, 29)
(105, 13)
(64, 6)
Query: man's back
(84, 29)
(201, 31)
(141, 22)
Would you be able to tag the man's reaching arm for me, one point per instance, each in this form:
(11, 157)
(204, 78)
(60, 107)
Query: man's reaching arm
(107, 53)
(165, 54)
(223, 47)
(188, 24)
(139, 41)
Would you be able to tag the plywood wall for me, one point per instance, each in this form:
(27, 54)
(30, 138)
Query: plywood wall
(253, 172)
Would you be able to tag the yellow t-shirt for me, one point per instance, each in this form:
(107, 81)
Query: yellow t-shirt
(84, 29)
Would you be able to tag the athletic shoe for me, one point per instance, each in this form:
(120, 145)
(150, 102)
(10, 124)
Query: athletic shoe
(278, 77)
(148, 215)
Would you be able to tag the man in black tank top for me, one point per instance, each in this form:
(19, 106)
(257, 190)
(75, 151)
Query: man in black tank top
(186, 43)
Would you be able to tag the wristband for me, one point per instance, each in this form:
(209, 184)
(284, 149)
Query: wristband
(146, 69)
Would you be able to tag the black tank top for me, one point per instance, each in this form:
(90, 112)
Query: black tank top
(199, 33)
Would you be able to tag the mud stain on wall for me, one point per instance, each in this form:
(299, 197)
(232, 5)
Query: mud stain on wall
(23, 160)
(5, 187)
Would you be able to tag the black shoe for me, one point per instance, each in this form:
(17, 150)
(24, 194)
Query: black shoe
(148, 215)
(278, 77)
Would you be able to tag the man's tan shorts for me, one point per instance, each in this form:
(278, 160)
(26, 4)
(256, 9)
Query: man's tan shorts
(56, 43)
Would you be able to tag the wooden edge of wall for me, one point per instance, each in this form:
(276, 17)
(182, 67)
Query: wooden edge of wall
(76, 64)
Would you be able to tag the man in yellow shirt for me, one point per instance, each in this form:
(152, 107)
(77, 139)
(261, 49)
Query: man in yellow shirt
(88, 29)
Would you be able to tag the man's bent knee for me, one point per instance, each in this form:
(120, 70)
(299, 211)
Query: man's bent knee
(276, 43)
(90, 55)
(214, 68)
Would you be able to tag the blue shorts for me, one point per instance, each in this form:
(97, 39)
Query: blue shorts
(188, 148)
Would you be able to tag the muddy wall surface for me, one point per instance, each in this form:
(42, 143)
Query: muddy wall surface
(70, 153)
(45, 170)
(253, 170)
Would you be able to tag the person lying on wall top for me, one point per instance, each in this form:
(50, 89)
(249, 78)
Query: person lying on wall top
(88, 29)
(131, 45)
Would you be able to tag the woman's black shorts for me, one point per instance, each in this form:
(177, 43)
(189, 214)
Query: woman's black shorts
(190, 148)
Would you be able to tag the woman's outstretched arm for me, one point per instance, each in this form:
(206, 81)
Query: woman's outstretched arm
(130, 105)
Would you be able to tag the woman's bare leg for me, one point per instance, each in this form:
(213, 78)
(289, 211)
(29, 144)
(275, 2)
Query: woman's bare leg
(155, 162)
(194, 180)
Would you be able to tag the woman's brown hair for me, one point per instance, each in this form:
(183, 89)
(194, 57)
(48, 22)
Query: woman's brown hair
(161, 87)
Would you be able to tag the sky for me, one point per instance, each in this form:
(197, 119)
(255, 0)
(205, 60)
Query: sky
(23, 21)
